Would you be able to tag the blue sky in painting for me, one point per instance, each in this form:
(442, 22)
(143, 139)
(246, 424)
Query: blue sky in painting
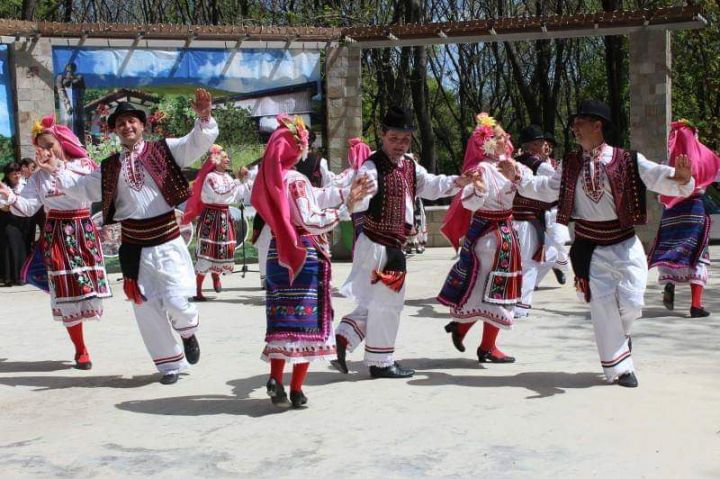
(237, 71)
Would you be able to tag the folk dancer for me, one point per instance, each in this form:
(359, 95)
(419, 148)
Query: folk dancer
(298, 304)
(602, 188)
(213, 191)
(485, 282)
(529, 217)
(680, 251)
(377, 279)
(69, 244)
(139, 187)
(556, 235)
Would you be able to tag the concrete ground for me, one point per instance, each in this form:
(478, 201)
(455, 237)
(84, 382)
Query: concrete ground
(548, 415)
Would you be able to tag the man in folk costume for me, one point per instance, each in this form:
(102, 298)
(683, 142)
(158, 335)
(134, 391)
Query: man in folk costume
(377, 278)
(213, 191)
(315, 167)
(680, 251)
(72, 268)
(139, 187)
(529, 217)
(602, 189)
(556, 235)
(299, 309)
(485, 282)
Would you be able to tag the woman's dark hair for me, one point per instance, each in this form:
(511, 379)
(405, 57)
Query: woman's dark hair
(11, 167)
(26, 162)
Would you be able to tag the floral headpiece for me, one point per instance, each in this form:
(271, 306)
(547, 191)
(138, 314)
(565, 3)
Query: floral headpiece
(297, 128)
(40, 126)
(215, 152)
(484, 132)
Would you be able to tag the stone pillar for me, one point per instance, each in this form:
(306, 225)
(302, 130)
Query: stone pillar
(34, 90)
(343, 97)
(650, 108)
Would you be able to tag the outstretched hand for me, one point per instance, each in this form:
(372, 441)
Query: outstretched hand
(242, 173)
(683, 170)
(202, 104)
(508, 168)
(360, 188)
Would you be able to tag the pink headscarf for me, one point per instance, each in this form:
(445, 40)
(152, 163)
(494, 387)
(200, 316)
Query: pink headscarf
(269, 197)
(69, 142)
(457, 220)
(358, 152)
(704, 163)
(195, 204)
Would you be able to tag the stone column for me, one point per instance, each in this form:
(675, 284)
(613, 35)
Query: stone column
(34, 93)
(650, 108)
(343, 96)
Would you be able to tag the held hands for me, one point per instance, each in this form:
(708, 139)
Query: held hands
(242, 173)
(202, 104)
(360, 188)
(509, 169)
(683, 172)
(465, 179)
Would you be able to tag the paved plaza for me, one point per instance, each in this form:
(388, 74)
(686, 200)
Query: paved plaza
(549, 415)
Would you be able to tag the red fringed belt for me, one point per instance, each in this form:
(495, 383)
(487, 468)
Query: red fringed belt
(68, 214)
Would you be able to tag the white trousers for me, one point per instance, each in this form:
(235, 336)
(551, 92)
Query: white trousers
(531, 269)
(376, 318)
(263, 246)
(378, 327)
(618, 277)
(167, 279)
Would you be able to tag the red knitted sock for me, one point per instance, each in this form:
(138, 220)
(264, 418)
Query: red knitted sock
(696, 292)
(490, 333)
(463, 328)
(76, 336)
(277, 366)
(298, 376)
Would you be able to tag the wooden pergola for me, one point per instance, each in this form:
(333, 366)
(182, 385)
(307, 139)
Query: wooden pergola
(237, 36)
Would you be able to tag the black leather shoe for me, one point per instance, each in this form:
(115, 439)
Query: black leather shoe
(169, 378)
(699, 313)
(192, 349)
(340, 363)
(457, 340)
(628, 380)
(488, 357)
(298, 399)
(669, 296)
(85, 366)
(394, 371)
(559, 276)
(277, 393)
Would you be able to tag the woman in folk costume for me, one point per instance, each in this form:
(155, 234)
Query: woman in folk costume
(214, 190)
(681, 248)
(298, 302)
(485, 283)
(69, 241)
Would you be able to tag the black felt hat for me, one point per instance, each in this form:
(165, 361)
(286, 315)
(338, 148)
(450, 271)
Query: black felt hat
(398, 118)
(550, 138)
(126, 108)
(594, 109)
(531, 133)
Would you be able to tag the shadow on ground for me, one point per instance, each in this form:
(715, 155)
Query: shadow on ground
(243, 403)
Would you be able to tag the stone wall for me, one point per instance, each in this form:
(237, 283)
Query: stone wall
(34, 95)
(435, 216)
(650, 108)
